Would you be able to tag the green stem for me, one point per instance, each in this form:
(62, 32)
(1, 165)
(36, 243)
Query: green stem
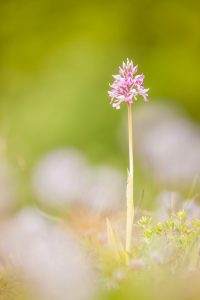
(129, 200)
(130, 138)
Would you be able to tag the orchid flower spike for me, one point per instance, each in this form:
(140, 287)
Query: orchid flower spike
(127, 86)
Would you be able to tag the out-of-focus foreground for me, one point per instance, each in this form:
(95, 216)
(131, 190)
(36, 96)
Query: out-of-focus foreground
(63, 149)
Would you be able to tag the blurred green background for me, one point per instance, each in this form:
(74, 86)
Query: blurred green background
(57, 58)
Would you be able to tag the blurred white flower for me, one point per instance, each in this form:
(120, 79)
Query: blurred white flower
(64, 178)
(119, 275)
(168, 144)
(162, 251)
(8, 189)
(60, 178)
(169, 203)
(106, 190)
(137, 264)
(46, 257)
(192, 209)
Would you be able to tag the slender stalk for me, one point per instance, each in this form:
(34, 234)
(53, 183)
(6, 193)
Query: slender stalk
(129, 195)
(130, 138)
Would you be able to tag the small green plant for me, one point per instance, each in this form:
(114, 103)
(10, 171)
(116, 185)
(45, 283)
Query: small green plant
(176, 239)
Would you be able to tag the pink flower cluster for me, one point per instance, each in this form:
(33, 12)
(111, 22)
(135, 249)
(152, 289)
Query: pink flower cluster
(127, 86)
